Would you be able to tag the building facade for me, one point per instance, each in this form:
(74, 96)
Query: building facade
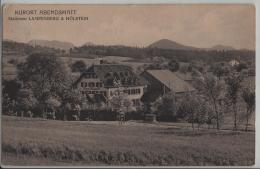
(101, 82)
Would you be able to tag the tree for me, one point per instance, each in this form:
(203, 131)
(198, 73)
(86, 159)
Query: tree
(240, 67)
(248, 96)
(212, 88)
(165, 106)
(187, 108)
(121, 103)
(25, 100)
(71, 101)
(11, 88)
(44, 74)
(78, 66)
(8, 105)
(233, 82)
(220, 69)
(193, 109)
(173, 66)
(52, 104)
(202, 112)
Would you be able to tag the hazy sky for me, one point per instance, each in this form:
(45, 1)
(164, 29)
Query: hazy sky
(194, 25)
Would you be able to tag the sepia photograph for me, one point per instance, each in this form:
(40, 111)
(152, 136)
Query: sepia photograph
(128, 85)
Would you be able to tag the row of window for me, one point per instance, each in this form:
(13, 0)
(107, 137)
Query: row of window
(94, 92)
(87, 76)
(91, 84)
(129, 91)
(132, 91)
(117, 74)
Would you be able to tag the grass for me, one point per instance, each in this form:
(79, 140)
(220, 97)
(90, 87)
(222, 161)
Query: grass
(107, 143)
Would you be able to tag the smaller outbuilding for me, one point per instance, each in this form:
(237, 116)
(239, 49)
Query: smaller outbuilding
(162, 82)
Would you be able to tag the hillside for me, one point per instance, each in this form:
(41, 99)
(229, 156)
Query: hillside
(168, 44)
(51, 44)
(222, 48)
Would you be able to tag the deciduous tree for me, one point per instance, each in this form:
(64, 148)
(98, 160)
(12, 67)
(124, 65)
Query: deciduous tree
(212, 89)
(248, 96)
(44, 74)
(78, 66)
(233, 82)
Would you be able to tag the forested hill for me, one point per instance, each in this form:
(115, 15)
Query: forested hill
(180, 55)
(18, 48)
(132, 52)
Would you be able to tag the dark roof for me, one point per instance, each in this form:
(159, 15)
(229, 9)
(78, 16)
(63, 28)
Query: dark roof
(108, 73)
(170, 80)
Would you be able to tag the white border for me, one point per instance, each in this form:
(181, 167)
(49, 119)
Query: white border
(257, 48)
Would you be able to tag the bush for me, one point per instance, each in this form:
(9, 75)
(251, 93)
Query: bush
(98, 115)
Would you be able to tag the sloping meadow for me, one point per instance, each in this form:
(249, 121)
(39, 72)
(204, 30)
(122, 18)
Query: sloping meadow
(108, 143)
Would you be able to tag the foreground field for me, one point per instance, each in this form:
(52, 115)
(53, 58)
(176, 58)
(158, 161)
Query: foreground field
(28, 141)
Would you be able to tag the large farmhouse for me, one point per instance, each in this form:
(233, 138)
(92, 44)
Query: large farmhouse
(100, 82)
(164, 81)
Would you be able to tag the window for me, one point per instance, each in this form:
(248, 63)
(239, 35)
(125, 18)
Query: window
(82, 84)
(86, 84)
(91, 84)
(132, 91)
(138, 91)
(97, 84)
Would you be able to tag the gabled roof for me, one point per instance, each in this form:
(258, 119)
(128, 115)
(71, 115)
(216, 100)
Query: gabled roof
(108, 73)
(184, 76)
(170, 80)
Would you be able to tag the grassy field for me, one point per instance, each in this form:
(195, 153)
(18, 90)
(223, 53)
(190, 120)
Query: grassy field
(27, 141)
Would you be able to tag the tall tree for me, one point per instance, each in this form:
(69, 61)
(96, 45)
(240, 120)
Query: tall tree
(233, 82)
(44, 74)
(248, 96)
(212, 88)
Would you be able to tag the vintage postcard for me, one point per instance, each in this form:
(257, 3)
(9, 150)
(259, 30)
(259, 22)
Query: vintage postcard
(128, 85)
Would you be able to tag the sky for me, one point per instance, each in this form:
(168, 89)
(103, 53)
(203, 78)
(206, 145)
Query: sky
(139, 25)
